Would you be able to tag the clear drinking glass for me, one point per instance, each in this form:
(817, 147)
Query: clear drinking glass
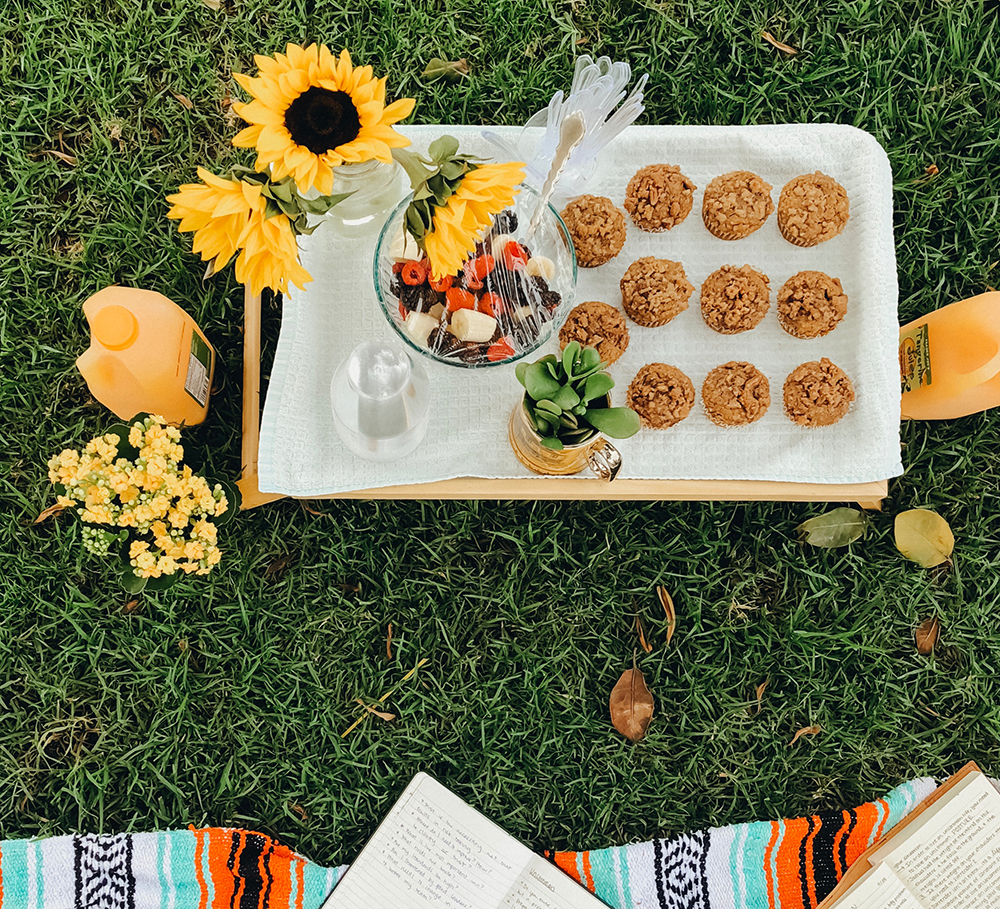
(380, 399)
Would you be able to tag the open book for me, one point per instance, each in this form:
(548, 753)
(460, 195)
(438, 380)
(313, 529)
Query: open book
(946, 855)
(433, 851)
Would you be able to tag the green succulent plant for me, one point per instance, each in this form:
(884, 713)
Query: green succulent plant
(567, 398)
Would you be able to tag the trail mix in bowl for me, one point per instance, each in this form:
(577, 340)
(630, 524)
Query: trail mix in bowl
(494, 309)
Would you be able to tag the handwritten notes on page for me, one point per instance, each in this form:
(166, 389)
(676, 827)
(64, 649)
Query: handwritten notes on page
(433, 851)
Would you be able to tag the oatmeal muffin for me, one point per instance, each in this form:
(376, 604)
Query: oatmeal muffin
(736, 204)
(596, 324)
(817, 393)
(662, 395)
(735, 394)
(654, 291)
(735, 299)
(597, 229)
(812, 208)
(811, 304)
(659, 197)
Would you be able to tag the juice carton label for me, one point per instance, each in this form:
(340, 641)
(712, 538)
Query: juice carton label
(915, 359)
(199, 369)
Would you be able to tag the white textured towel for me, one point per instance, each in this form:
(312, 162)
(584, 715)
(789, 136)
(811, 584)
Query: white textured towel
(301, 454)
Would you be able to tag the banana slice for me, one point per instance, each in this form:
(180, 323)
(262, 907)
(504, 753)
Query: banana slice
(542, 266)
(419, 325)
(470, 325)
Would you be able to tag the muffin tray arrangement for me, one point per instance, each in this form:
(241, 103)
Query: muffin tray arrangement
(299, 452)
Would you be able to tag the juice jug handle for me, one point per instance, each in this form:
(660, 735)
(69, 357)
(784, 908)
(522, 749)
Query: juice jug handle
(981, 374)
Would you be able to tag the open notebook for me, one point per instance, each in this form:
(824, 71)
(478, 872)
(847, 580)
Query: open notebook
(433, 851)
(946, 855)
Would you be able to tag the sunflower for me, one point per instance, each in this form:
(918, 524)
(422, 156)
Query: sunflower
(312, 112)
(229, 217)
(483, 192)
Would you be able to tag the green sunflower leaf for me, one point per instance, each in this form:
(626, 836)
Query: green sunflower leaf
(443, 148)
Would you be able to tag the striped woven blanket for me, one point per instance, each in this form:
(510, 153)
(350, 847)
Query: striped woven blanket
(789, 864)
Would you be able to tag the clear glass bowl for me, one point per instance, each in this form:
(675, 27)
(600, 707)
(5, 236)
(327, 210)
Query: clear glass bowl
(521, 328)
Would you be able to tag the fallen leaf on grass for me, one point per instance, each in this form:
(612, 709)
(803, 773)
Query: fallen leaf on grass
(278, 567)
(299, 811)
(388, 642)
(213, 4)
(759, 691)
(667, 602)
(774, 42)
(183, 99)
(833, 529)
(369, 710)
(931, 170)
(924, 537)
(631, 705)
(49, 512)
(449, 70)
(62, 156)
(647, 647)
(130, 606)
(926, 636)
(306, 507)
(805, 730)
(382, 715)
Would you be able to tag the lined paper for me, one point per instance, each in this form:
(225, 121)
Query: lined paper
(433, 851)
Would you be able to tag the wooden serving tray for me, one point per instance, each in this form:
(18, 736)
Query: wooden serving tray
(867, 495)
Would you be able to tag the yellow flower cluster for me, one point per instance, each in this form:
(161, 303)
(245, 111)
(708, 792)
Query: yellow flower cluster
(153, 495)
(483, 192)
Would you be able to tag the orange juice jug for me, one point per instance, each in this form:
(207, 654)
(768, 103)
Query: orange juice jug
(146, 355)
(949, 360)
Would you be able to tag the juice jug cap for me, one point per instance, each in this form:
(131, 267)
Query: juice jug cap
(114, 327)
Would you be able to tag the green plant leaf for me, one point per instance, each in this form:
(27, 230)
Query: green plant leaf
(235, 499)
(163, 582)
(833, 529)
(566, 398)
(553, 443)
(568, 421)
(443, 148)
(616, 422)
(597, 386)
(449, 70)
(545, 421)
(549, 407)
(520, 370)
(570, 353)
(924, 537)
(539, 382)
(413, 164)
(131, 581)
(590, 358)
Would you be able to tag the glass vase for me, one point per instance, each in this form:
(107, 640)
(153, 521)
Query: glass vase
(376, 187)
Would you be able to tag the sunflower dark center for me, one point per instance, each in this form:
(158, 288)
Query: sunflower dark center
(321, 120)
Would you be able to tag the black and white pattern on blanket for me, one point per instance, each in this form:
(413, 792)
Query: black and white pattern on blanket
(681, 882)
(104, 876)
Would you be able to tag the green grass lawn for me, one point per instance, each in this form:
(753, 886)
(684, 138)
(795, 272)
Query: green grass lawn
(223, 700)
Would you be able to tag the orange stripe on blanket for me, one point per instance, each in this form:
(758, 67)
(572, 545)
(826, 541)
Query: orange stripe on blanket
(567, 862)
(768, 876)
(787, 862)
(300, 879)
(857, 840)
(220, 847)
(281, 874)
(845, 824)
(587, 874)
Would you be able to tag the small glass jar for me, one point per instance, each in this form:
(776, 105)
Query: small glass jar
(376, 187)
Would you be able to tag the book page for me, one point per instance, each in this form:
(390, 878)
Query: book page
(881, 889)
(433, 851)
(954, 862)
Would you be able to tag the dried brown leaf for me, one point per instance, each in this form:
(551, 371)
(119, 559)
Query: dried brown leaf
(388, 643)
(62, 156)
(931, 170)
(381, 714)
(926, 636)
(299, 811)
(667, 602)
(131, 606)
(759, 691)
(631, 705)
(49, 512)
(183, 99)
(774, 42)
(278, 567)
(647, 647)
(306, 507)
(805, 730)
